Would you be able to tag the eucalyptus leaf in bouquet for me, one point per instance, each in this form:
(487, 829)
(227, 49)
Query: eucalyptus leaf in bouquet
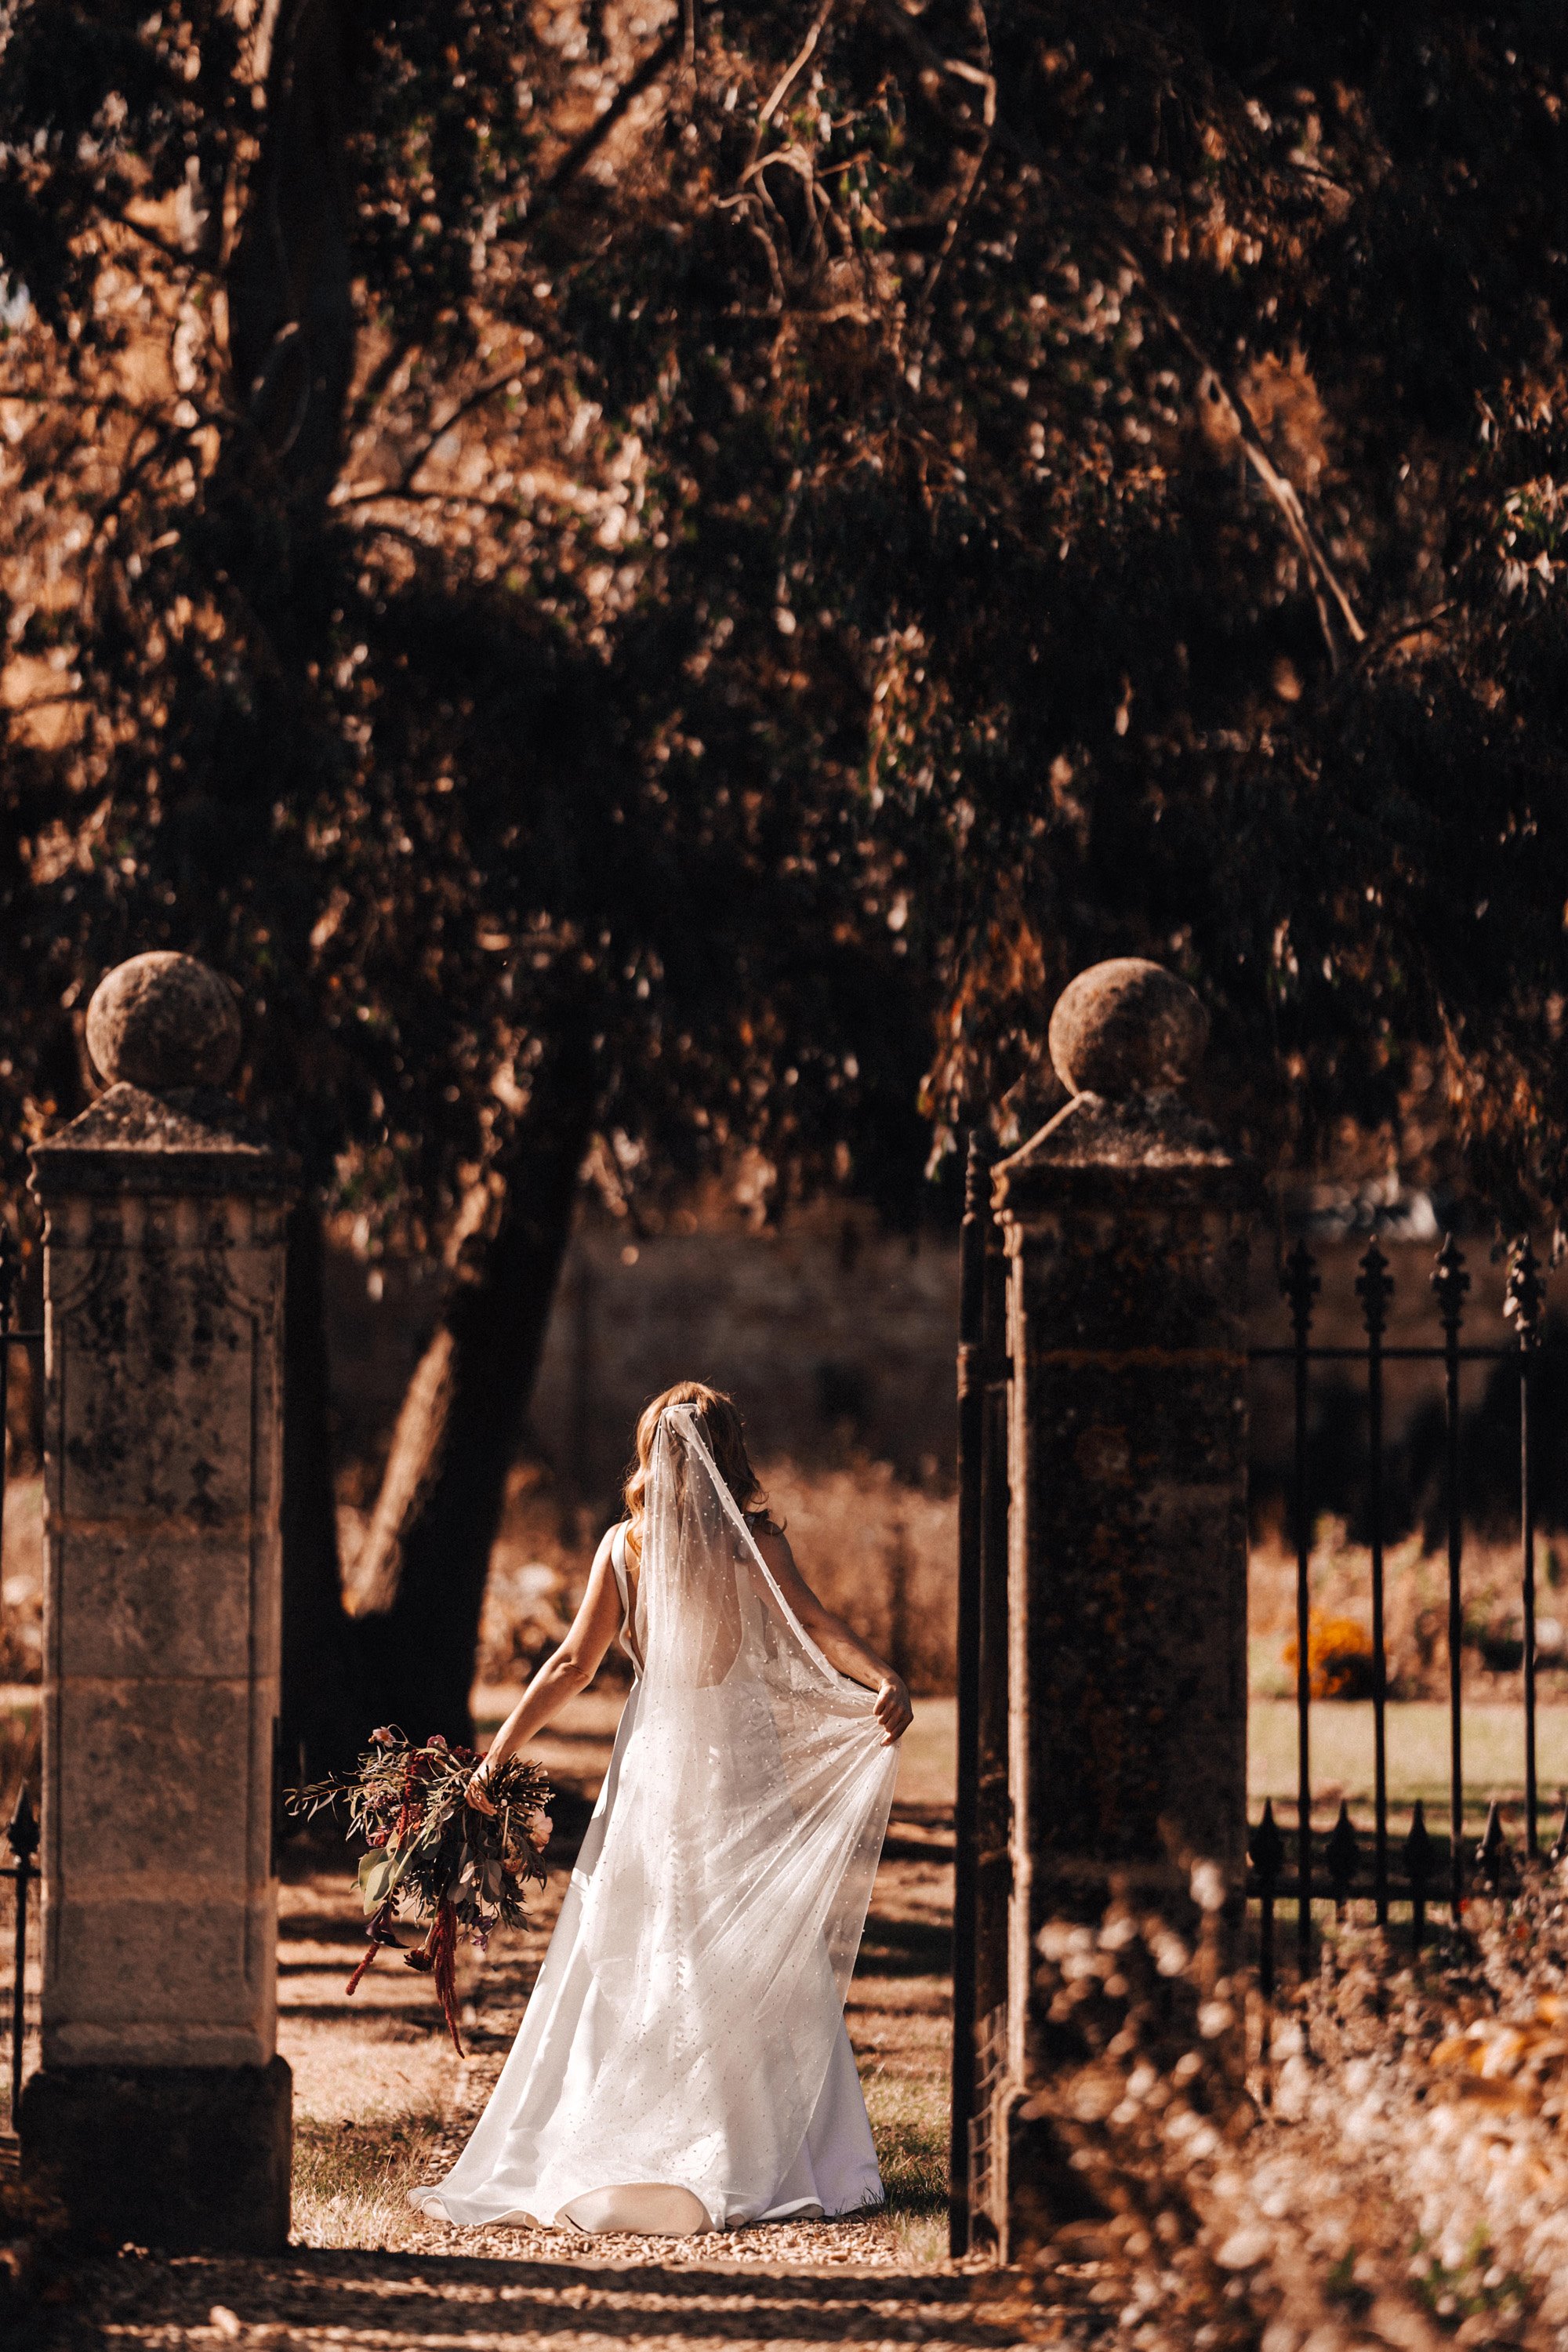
(456, 1871)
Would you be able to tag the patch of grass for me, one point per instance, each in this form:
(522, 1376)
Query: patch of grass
(909, 2123)
(1342, 1750)
(352, 2181)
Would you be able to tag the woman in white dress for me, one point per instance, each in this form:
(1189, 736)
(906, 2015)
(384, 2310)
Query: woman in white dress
(683, 2064)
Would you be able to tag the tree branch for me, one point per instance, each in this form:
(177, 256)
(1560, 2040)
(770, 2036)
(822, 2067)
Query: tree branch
(1120, 245)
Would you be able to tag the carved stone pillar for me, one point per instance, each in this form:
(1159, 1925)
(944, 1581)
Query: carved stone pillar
(1127, 1222)
(161, 2110)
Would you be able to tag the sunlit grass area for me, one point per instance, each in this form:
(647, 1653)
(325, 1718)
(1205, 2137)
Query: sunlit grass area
(908, 2120)
(1492, 1737)
(351, 2180)
(900, 2018)
(374, 2076)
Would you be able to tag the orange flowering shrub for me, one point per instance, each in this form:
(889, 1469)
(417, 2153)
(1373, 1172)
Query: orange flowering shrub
(1338, 1657)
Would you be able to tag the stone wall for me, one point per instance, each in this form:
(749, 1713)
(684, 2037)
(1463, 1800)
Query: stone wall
(837, 1339)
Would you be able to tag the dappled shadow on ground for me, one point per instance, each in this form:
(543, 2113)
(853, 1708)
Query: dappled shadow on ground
(339, 2295)
(905, 1947)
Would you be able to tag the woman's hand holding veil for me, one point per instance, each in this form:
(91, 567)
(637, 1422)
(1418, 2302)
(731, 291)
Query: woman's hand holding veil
(892, 1709)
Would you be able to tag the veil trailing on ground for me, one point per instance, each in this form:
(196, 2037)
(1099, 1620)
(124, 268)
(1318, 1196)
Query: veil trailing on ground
(683, 2025)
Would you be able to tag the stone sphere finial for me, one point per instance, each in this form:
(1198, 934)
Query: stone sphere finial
(1126, 1027)
(163, 1022)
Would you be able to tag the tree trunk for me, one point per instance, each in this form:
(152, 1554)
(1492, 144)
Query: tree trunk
(318, 1716)
(292, 343)
(290, 304)
(421, 1577)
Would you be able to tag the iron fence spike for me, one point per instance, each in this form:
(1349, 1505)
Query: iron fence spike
(1493, 1854)
(1265, 1848)
(1374, 1289)
(1450, 1281)
(22, 1831)
(1342, 1854)
(1525, 1294)
(1300, 1282)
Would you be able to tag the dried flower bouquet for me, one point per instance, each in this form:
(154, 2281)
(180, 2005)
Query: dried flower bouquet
(459, 1873)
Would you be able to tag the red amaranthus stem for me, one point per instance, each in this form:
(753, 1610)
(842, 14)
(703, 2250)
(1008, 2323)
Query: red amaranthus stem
(443, 1951)
(381, 1932)
(368, 1961)
(438, 1957)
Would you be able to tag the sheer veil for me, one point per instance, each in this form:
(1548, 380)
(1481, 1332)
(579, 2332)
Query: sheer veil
(777, 1782)
(695, 1987)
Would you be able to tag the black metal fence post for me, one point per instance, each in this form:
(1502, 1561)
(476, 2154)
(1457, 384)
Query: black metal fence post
(1522, 1304)
(1450, 1282)
(1375, 1290)
(994, 1858)
(1301, 1285)
(22, 1837)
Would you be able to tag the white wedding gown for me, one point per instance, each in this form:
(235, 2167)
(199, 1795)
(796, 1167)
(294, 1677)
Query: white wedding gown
(683, 2063)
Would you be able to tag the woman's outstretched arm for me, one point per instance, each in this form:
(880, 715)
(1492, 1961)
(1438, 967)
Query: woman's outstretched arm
(568, 1669)
(840, 1647)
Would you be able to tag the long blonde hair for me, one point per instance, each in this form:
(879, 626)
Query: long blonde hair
(724, 1433)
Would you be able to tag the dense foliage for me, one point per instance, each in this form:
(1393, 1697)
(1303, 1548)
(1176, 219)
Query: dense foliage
(770, 536)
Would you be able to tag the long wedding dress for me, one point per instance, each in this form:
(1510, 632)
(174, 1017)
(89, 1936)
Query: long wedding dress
(683, 2063)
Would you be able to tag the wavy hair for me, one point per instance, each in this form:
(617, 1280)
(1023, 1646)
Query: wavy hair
(724, 1433)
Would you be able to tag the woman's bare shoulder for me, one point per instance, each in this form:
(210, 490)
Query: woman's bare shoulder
(770, 1541)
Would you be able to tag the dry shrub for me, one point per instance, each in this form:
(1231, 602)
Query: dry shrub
(1394, 2172)
(882, 1554)
(1417, 2109)
(1415, 1612)
(1141, 2097)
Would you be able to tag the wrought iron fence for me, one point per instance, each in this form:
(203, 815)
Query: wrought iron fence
(1424, 1868)
(22, 1833)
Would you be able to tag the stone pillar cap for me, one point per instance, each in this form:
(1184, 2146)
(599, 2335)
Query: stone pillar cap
(1125, 1035)
(1127, 1026)
(163, 1022)
(163, 1029)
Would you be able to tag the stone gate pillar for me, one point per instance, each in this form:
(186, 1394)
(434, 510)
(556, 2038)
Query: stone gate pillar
(1126, 1223)
(161, 2110)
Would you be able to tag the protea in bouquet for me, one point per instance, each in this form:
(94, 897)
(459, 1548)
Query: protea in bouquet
(433, 1857)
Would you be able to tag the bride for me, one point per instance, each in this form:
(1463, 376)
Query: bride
(683, 2063)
